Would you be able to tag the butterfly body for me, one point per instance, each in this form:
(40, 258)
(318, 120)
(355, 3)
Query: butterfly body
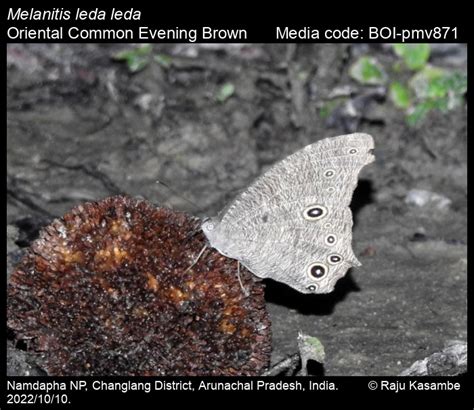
(293, 224)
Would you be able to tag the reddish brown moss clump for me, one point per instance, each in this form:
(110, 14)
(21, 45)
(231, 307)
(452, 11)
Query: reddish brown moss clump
(104, 291)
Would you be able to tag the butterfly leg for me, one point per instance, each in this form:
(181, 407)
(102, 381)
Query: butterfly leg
(246, 292)
(197, 258)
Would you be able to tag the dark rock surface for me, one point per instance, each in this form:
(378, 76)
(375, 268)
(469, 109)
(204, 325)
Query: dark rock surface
(81, 127)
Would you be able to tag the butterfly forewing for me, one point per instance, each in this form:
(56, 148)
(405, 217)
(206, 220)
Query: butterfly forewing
(305, 173)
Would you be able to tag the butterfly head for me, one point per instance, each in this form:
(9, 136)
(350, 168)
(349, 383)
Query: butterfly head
(211, 228)
(209, 225)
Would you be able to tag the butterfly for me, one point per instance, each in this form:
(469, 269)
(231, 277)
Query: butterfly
(293, 224)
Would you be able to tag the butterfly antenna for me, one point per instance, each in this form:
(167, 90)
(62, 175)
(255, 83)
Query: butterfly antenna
(197, 259)
(195, 206)
(246, 292)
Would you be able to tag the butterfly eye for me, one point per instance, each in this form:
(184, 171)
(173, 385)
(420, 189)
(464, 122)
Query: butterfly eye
(353, 151)
(334, 259)
(315, 212)
(208, 226)
(329, 173)
(317, 270)
(331, 189)
(370, 151)
(330, 240)
(312, 288)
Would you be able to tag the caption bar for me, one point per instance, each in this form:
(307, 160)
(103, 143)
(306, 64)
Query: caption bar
(59, 391)
(60, 24)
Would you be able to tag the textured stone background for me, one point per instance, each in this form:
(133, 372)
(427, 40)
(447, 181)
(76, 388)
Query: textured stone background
(81, 127)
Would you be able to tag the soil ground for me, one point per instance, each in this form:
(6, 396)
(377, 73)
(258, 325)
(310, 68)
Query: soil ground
(82, 127)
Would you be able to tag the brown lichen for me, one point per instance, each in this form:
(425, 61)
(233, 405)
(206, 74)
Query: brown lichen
(106, 291)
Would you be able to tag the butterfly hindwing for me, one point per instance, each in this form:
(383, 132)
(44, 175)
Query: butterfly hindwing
(292, 265)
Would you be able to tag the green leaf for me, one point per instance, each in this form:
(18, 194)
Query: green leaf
(442, 104)
(434, 82)
(225, 92)
(436, 89)
(163, 60)
(457, 88)
(399, 49)
(400, 95)
(136, 58)
(397, 66)
(139, 51)
(310, 348)
(137, 64)
(328, 107)
(417, 114)
(415, 56)
(367, 70)
(455, 83)
(420, 82)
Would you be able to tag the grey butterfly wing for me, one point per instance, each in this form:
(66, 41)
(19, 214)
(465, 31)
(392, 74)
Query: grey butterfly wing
(293, 224)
